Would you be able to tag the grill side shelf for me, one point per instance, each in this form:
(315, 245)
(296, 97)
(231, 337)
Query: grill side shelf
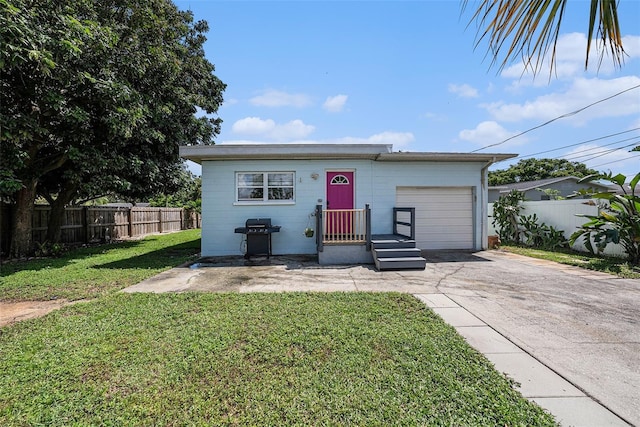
(258, 230)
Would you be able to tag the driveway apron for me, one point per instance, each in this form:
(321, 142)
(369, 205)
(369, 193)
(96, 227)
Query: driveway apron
(582, 325)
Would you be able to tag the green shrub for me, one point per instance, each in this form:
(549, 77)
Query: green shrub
(47, 249)
(618, 221)
(541, 235)
(506, 211)
(516, 228)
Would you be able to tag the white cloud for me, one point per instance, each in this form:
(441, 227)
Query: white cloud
(335, 104)
(276, 98)
(271, 130)
(463, 90)
(631, 46)
(581, 93)
(570, 59)
(292, 130)
(399, 140)
(489, 132)
(570, 55)
(253, 126)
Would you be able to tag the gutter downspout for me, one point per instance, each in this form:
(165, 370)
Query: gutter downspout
(484, 205)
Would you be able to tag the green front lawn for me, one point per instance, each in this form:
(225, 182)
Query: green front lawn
(97, 270)
(611, 265)
(251, 359)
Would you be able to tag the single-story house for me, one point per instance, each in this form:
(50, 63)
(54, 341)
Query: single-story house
(346, 193)
(535, 190)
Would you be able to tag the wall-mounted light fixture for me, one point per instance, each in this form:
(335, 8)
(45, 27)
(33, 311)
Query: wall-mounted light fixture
(314, 176)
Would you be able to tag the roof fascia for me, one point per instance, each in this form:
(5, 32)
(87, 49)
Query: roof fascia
(283, 151)
(444, 157)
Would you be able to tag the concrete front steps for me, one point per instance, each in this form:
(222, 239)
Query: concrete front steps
(396, 254)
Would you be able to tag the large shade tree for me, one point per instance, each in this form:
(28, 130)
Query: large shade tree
(97, 97)
(187, 195)
(536, 169)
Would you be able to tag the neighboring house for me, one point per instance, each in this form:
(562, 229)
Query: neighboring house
(345, 192)
(533, 190)
(615, 189)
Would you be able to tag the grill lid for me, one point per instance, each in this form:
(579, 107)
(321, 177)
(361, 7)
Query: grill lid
(258, 226)
(258, 223)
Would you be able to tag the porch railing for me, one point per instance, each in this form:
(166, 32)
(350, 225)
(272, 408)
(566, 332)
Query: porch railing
(404, 222)
(343, 226)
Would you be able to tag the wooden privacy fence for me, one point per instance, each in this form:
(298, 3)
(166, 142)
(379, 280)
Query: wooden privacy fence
(84, 224)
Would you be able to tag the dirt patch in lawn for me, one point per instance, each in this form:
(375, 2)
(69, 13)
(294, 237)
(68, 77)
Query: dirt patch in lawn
(11, 312)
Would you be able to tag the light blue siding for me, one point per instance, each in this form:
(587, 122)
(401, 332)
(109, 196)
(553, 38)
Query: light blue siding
(375, 184)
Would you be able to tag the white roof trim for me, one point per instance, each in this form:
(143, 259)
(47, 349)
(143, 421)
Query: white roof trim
(200, 153)
(444, 157)
(379, 152)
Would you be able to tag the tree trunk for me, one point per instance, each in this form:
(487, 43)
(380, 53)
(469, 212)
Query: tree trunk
(57, 213)
(21, 240)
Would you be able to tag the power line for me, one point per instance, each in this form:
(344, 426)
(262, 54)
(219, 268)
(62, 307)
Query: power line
(616, 161)
(579, 154)
(557, 118)
(604, 153)
(583, 142)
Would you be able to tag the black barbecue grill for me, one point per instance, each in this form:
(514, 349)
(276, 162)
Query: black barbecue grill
(258, 232)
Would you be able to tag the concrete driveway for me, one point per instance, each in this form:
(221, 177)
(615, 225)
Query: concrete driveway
(583, 325)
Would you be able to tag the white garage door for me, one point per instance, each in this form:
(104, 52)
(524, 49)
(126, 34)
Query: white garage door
(444, 216)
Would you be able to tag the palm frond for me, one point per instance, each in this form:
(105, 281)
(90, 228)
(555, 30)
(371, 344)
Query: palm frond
(529, 29)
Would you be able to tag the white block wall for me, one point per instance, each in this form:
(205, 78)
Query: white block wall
(562, 215)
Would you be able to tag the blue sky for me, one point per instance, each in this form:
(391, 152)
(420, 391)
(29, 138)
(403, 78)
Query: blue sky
(407, 73)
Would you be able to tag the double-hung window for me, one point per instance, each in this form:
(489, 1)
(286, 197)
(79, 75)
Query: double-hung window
(265, 187)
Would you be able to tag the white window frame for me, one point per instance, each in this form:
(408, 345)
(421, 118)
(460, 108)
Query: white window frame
(343, 181)
(265, 189)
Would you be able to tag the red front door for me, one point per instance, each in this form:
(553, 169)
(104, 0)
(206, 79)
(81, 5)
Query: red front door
(339, 198)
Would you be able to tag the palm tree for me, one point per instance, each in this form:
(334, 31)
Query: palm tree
(529, 28)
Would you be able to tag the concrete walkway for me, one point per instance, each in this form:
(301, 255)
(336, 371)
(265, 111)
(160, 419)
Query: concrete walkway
(570, 337)
(570, 405)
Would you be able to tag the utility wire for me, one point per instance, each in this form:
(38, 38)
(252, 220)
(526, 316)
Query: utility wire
(583, 142)
(616, 161)
(557, 118)
(577, 154)
(595, 156)
(603, 153)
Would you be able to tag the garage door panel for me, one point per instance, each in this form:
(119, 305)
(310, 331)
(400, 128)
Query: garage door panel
(444, 216)
(437, 223)
(429, 213)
